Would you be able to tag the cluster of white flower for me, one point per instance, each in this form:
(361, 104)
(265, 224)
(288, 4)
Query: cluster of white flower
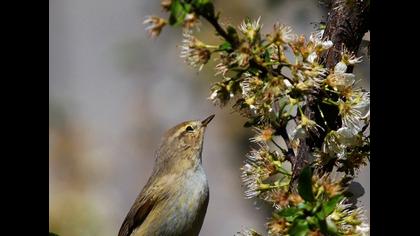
(273, 90)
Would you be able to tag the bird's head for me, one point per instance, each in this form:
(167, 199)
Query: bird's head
(183, 142)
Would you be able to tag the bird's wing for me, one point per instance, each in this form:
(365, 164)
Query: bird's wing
(136, 215)
(152, 193)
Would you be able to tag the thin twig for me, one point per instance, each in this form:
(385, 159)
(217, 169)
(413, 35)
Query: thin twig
(219, 29)
(290, 155)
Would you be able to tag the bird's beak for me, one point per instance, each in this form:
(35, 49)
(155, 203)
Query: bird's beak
(207, 120)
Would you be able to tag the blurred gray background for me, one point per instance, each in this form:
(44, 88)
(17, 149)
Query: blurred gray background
(114, 91)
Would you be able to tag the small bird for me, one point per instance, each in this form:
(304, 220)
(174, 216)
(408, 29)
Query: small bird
(174, 200)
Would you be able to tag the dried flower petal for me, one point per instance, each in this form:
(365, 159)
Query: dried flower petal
(194, 51)
(156, 25)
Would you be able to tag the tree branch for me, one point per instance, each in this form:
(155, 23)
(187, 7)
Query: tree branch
(347, 22)
(213, 20)
(290, 155)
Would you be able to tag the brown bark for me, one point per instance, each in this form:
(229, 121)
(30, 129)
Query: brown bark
(347, 22)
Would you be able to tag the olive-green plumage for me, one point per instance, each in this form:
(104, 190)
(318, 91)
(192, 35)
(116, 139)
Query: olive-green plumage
(174, 200)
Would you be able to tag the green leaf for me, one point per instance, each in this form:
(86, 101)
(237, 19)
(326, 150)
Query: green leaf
(232, 33)
(200, 3)
(225, 46)
(266, 56)
(328, 227)
(282, 102)
(313, 221)
(178, 13)
(253, 70)
(187, 7)
(305, 184)
(289, 211)
(299, 228)
(52, 234)
(305, 205)
(317, 207)
(204, 7)
(330, 205)
(332, 228)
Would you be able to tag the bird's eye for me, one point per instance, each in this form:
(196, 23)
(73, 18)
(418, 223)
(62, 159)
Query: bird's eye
(189, 128)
